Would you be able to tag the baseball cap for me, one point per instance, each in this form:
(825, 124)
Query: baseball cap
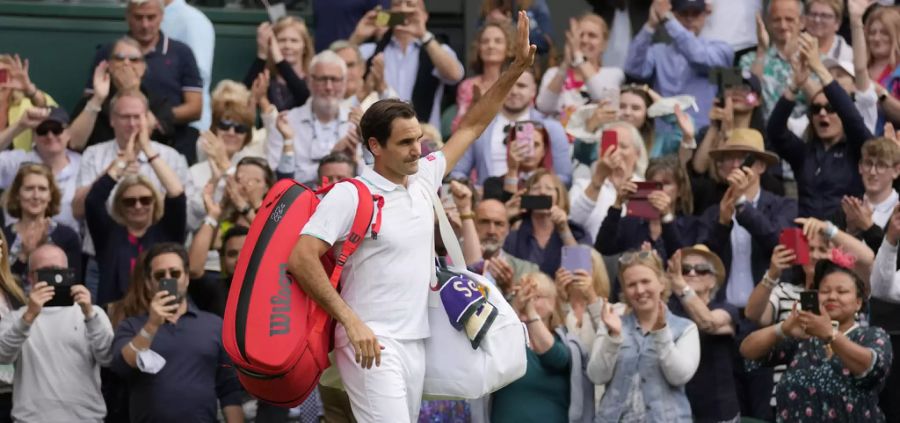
(688, 5)
(830, 62)
(59, 115)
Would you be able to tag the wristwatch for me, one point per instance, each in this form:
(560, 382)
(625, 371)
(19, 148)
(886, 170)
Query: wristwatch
(427, 38)
(686, 293)
(578, 60)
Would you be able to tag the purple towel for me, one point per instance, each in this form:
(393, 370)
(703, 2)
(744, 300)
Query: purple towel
(466, 305)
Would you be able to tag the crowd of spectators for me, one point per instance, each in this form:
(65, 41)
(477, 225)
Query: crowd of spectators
(727, 170)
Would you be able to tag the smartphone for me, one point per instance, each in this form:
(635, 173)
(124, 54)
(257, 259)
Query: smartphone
(749, 161)
(170, 285)
(389, 19)
(608, 140)
(639, 205)
(61, 280)
(724, 78)
(794, 239)
(809, 301)
(611, 94)
(577, 257)
(536, 202)
(4, 76)
(525, 138)
(275, 11)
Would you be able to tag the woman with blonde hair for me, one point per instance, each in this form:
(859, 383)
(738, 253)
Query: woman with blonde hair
(34, 198)
(18, 94)
(491, 51)
(647, 356)
(11, 297)
(584, 294)
(882, 29)
(284, 50)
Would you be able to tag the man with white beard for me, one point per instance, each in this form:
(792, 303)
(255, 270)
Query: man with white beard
(320, 126)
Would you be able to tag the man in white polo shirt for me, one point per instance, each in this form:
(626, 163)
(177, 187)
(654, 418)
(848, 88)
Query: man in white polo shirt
(382, 306)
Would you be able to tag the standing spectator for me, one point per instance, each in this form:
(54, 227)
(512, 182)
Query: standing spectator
(682, 66)
(585, 294)
(543, 233)
(833, 372)
(495, 152)
(320, 126)
(209, 292)
(734, 23)
(196, 371)
(122, 71)
(362, 90)
(138, 217)
(825, 166)
(881, 29)
(505, 11)
(17, 95)
(885, 285)
(646, 356)
(171, 71)
(11, 297)
(581, 77)
(51, 137)
(57, 351)
(285, 49)
(491, 51)
(697, 274)
(342, 17)
(34, 199)
(416, 64)
(822, 20)
(625, 19)
(189, 25)
(774, 49)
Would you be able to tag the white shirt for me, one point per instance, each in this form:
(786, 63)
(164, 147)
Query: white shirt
(619, 40)
(497, 164)
(590, 214)
(189, 25)
(840, 50)
(386, 281)
(882, 211)
(97, 158)
(313, 140)
(9, 166)
(733, 21)
(598, 87)
(885, 278)
(740, 276)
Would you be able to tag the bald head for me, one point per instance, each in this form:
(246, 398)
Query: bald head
(491, 222)
(47, 255)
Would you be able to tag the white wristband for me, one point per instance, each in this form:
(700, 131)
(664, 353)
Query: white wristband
(211, 222)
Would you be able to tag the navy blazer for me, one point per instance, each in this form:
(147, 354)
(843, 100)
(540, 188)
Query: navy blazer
(764, 222)
(619, 234)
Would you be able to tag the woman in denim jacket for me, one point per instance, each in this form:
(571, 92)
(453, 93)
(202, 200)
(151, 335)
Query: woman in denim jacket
(646, 356)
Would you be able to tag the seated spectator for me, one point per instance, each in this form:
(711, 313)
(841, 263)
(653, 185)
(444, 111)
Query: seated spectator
(491, 51)
(542, 233)
(581, 77)
(17, 95)
(189, 25)
(676, 227)
(541, 31)
(823, 20)
(771, 60)
(825, 166)
(209, 292)
(285, 50)
(51, 137)
(336, 167)
(584, 294)
(625, 20)
(171, 71)
(697, 274)
(679, 67)
(138, 217)
(733, 23)
(57, 351)
(552, 389)
(646, 356)
(190, 372)
(591, 197)
(814, 387)
(11, 297)
(867, 217)
(122, 71)
(416, 64)
(33, 199)
(318, 127)
(363, 89)
(744, 227)
(492, 227)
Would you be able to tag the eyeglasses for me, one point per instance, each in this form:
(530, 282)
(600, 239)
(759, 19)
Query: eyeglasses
(225, 125)
(325, 79)
(132, 201)
(232, 253)
(46, 128)
(821, 17)
(702, 269)
(163, 273)
(119, 57)
(817, 108)
(868, 165)
(631, 257)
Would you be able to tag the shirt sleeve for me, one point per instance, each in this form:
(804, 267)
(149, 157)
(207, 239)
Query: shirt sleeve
(557, 358)
(334, 216)
(432, 169)
(459, 66)
(885, 279)
(547, 100)
(13, 333)
(87, 172)
(190, 73)
(126, 331)
(879, 343)
(679, 358)
(100, 336)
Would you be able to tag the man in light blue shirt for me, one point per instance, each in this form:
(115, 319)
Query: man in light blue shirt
(681, 66)
(189, 25)
(410, 50)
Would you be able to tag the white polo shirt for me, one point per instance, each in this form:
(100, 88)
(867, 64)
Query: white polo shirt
(386, 281)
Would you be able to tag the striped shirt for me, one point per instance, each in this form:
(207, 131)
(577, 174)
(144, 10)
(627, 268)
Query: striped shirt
(782, 300)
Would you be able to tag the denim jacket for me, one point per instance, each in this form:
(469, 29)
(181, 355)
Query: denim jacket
(638, 354)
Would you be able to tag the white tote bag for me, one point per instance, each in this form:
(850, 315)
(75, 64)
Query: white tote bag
(453, 368)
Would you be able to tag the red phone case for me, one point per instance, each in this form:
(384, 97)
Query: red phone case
(794, 239)
(4, 75)
(609, 139)
(638, 205)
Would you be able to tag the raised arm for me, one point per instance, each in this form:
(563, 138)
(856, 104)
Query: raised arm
(164, 172)
(856, 9)
(482, 112)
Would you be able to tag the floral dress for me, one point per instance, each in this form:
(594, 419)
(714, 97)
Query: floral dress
(819, 389)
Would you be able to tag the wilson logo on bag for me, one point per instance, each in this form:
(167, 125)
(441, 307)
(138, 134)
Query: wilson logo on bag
(276, 335)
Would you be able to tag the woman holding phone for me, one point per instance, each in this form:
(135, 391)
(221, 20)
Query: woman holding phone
(835, 366)
(527, 149)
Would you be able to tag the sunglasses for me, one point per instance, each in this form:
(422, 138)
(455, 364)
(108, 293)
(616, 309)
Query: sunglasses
(119, 57)
(226, 124)
(163, 273)
(700, 269)
(44, 129)
(132, 201)
(817, 108)
(630, 257)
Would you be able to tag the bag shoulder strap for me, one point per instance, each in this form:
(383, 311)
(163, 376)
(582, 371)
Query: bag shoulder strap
(369, 206)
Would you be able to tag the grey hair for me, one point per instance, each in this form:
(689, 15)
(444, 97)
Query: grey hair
(331, 57)
(339, 45)
(640, 166)
(162, 3)
(800, 6)
(133, 94)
